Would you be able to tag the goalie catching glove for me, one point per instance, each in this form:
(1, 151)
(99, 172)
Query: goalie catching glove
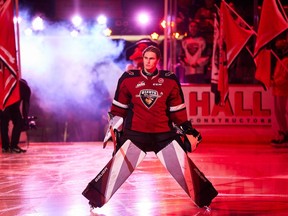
(192, 137)
(114, 127)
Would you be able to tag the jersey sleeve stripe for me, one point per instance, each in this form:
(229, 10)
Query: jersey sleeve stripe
(177, 108)
(118, 104)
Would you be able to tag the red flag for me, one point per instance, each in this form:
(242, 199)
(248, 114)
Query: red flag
(219, 75)
(9, 89)
(263, 65)
(230, 39)
(271, 24)
(235, 36)
(215, 60)
(223, 69)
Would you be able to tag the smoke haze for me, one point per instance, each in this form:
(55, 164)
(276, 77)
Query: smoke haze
(68, 74)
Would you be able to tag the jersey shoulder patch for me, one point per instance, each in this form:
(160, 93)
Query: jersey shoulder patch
(132, 73)
(167, 74)
(129, 74)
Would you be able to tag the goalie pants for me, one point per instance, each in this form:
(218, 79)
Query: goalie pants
(167, 148)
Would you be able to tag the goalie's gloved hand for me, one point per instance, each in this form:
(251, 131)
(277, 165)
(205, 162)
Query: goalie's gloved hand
(192, 137)
(115, 123)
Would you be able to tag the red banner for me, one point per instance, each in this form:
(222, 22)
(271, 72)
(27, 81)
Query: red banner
(271, 24)
(236, 36)
(9, 89)
(230, 37)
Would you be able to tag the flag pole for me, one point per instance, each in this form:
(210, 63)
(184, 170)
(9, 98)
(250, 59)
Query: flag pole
(282, 10)
(241, 19)
(244, 22)
(18, 37)
(165, 50)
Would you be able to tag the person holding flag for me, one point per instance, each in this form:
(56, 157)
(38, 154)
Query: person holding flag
(10, 93)
(267, 34)
(279, 84)
(19, 118)
(231, 34)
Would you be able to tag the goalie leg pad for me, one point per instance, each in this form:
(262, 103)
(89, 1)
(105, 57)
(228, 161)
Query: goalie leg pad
(188, 176)
(114, 174)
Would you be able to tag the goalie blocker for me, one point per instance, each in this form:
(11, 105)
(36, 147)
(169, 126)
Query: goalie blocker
(190, 136)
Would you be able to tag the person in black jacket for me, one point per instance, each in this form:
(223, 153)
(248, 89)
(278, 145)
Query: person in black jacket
(19, 119)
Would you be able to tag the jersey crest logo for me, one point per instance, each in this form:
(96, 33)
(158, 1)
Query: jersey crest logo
(148, 97)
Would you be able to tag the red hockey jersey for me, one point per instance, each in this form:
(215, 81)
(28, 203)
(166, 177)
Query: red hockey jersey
(149, 103)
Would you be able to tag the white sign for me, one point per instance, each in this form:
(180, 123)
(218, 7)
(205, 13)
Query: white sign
(246, 106)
